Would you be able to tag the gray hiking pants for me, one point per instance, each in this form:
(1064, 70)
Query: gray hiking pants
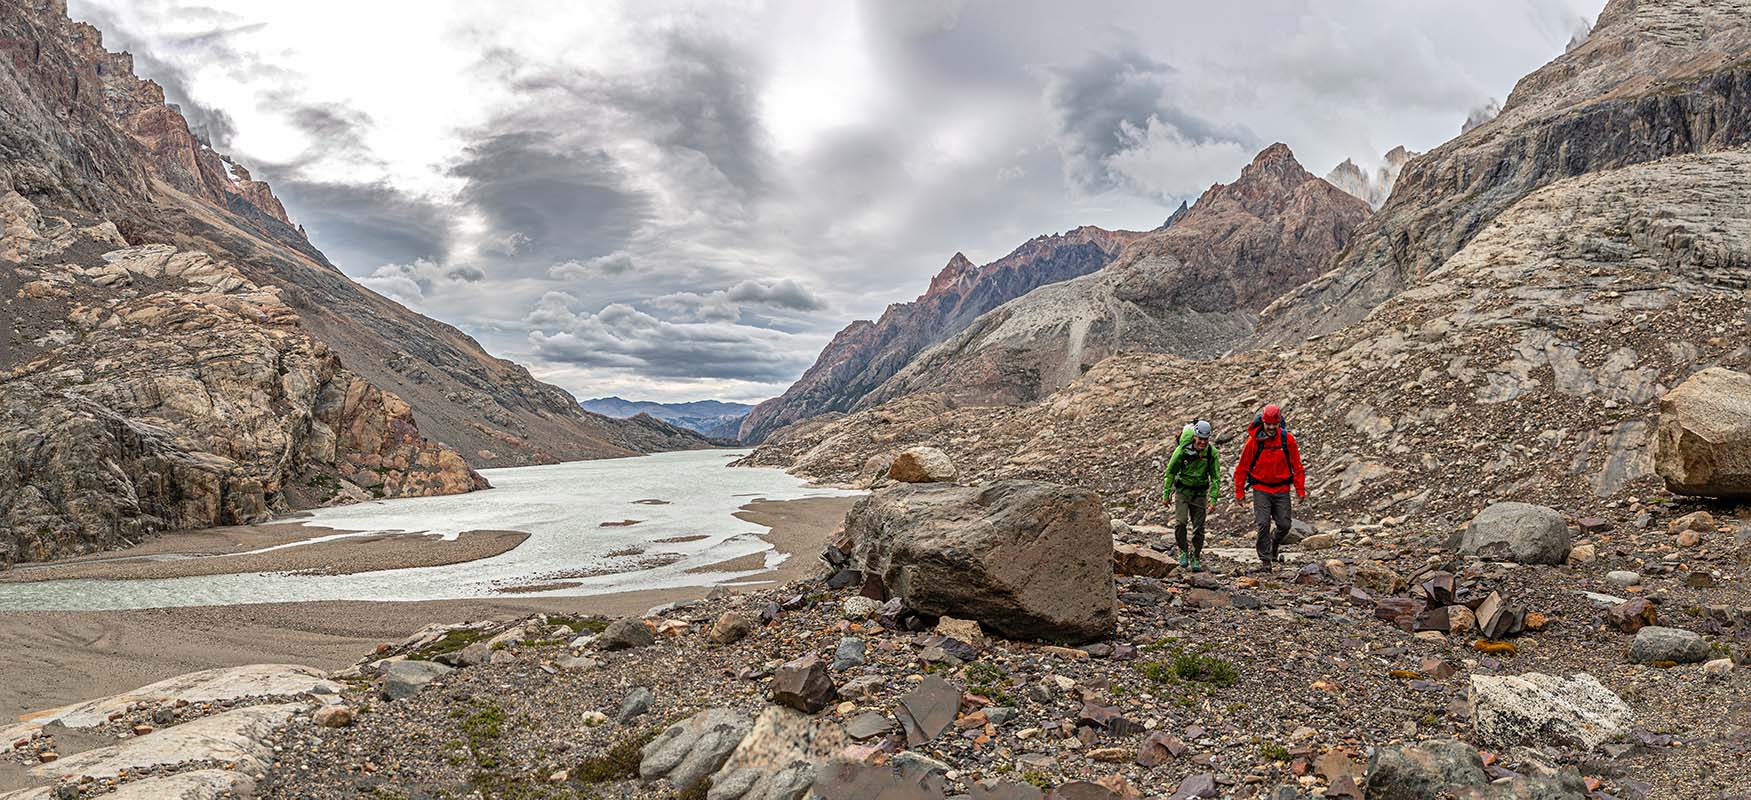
(1267, 509)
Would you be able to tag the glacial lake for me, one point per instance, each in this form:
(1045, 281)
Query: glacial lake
(561, 506)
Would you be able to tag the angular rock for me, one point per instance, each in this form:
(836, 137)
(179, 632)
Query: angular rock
(803, 684)
(1158, 747)
(1537, 709)
(962, 630)
(1377, 578)
(694, 748)
(778, 758)
(1027, 559)
(730, 627)
(848, 654)
(868, 725)
(626, 633)
(1137, 560)
(1202, 785)
(928, 710)
(1632, 615)
(858, 608)
(1703, 444)
(637, 704)
(403, 678)
(1518, 532)
(1654, 644)
(923, 465)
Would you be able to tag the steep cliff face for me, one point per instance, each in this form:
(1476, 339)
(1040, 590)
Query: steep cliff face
(1191, 288)
(174, 353)
(1653, 80)
(865, 353)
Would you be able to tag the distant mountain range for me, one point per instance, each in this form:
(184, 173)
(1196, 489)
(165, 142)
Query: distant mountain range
(713, 418)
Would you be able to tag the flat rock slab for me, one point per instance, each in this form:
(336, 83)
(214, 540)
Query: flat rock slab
(204, 784)
(238, 736)
(927, 711)
(206, 686)
(776, 760)
(693, 748)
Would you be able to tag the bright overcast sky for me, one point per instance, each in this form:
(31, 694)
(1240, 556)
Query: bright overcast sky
(677, 201)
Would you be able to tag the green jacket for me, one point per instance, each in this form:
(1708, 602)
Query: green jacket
(1193, 472)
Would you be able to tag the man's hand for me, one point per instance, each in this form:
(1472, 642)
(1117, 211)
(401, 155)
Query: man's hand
(1301, 493)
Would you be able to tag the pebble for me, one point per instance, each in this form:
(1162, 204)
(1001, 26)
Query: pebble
(1623, 578)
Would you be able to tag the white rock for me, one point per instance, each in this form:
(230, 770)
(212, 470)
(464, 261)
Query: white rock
(1718, 668)
(1534, 708)
(239, 736)
(1623, 578)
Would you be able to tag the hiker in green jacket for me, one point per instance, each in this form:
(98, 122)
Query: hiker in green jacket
(1192, 483)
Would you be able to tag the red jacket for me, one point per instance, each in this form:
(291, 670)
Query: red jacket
(1272, 470)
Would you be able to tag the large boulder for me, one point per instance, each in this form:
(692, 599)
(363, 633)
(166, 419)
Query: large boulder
(923, 465)
(1534, 709)
(1029, 560)
(1518, 532)
(404, 678)
(1451, 768)
(1703, 444)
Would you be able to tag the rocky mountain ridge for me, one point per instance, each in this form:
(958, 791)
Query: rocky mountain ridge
(866, 353)
(1190, 288)
(1652, 80)
(270, 380)
(712, 418)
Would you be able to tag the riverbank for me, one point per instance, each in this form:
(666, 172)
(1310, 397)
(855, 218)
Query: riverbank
(52, 658)
(241, 549)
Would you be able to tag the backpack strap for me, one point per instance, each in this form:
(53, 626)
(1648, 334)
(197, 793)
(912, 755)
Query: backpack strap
(1282, 441)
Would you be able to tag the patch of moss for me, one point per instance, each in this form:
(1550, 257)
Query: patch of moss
(619, 762)
(1038, 779)
(579, 624)
(1188, 665)
(450, 642)
(1274, 751)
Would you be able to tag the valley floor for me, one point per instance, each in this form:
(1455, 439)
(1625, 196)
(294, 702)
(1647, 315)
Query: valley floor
(51, 658)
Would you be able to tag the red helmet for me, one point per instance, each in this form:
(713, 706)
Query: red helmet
(1271, 415)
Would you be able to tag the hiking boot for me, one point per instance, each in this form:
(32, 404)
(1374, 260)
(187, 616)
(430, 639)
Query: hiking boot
(1184, 560)
(1197, 564)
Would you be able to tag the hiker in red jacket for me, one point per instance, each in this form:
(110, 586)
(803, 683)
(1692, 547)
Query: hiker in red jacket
(1269, 464)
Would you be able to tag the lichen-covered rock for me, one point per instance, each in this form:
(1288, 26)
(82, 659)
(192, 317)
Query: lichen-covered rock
(1027, 559)
(1534, 709)
(1703, 444)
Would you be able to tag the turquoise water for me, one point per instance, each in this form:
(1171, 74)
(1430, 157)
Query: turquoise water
(561, 507)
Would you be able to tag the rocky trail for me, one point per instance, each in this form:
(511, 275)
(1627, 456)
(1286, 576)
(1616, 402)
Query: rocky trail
(1352, 671)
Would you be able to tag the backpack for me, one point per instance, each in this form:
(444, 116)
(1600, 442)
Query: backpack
(1258, 421)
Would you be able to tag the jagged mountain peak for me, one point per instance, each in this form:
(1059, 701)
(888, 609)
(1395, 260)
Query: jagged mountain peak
(954, 272)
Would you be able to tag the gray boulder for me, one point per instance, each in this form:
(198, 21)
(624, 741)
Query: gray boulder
(778, 758)
(626, 633)
(1518, 532)
(1029, 560)
(1535, 709)
(1655, 643)
(403, 678)
(693, 748)
(1703, 444)
(1420, 771)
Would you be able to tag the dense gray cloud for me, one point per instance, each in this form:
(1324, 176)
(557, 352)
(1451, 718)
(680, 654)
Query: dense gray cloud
(1116, 112)
(671, 201)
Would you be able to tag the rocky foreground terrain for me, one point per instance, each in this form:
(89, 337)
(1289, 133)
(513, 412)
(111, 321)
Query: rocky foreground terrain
(174, 352)
(1534, 658)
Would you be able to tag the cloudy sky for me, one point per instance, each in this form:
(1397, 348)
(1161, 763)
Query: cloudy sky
(677, 201)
